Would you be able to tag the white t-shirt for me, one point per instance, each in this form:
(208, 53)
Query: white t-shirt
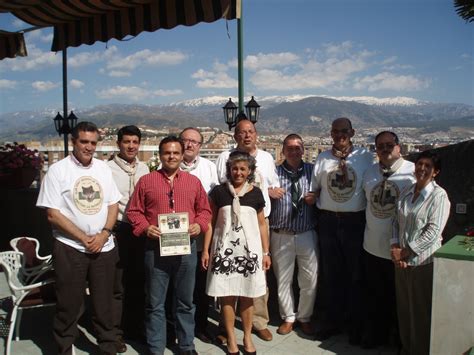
(81, 194)
(336, 195)
(206, 171)
(381, 206)
(265, 168)
(122, 180)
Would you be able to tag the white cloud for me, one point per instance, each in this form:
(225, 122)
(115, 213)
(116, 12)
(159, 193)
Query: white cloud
(36, 60)
(84, 58)
(118, 66)
(17, 23)
(270, 60)
(390, 81)
(76, 84)
(7, 84)
(466, 56)
(44, 85)
(134, 93)
(119, 74)
(214, 80)
(167, 92)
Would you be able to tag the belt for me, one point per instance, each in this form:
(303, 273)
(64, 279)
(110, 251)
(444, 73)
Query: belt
(286, 231)
(341, 214)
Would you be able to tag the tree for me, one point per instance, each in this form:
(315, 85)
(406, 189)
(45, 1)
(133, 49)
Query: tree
(465, 9)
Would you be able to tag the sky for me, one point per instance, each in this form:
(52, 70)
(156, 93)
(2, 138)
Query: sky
(380, 48)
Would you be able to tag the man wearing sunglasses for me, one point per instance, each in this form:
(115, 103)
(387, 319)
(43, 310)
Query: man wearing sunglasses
(337, 180)
(169, 190)
(383, 183)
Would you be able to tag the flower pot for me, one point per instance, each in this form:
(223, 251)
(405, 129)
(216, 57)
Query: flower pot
(20, 178)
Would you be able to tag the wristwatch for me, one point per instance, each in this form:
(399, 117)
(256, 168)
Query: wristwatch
(107, 230)
(267, 254)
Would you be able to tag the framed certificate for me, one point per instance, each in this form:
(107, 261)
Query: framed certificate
(174, 238)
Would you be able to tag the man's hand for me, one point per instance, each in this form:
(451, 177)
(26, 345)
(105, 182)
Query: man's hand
(153, 232)
(194, 230)
(96, 242)
(205, 259)
(276, 192)
(310, 198)
(267, 262)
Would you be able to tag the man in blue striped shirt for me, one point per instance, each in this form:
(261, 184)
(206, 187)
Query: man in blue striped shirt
(293, 237)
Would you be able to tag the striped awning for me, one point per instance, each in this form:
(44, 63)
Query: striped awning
(12, 44)
(79, 22)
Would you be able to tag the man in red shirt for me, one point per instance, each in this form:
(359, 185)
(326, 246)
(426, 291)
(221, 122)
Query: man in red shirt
(169, 190)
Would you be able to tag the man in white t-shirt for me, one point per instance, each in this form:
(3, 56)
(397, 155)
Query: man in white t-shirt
(267, 180)
(81, 199)
(129, 291)
(205, 170)
(337, 179)
(383, 183)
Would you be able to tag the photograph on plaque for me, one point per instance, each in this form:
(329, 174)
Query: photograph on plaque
(174, 238)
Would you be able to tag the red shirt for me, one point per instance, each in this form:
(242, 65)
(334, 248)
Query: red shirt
(154, 195)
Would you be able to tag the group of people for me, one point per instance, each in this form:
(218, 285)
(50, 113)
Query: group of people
(367, 229)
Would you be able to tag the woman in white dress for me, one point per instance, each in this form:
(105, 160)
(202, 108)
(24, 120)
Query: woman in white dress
(239, 247)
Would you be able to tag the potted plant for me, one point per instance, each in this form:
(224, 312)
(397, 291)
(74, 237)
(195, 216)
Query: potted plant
(19, 166)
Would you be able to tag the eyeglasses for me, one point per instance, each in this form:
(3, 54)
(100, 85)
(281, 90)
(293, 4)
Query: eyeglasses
(383, 146)
(341, 131)
(171, 199)
(191, 141)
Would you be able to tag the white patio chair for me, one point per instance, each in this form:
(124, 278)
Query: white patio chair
(24, 295)
(37, 267)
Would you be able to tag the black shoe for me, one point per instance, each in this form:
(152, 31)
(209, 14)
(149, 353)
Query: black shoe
(120, 345)
(354, 338)
(324, 334)
(204, 336)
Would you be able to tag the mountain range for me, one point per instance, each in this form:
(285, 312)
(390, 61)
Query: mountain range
(278, 114)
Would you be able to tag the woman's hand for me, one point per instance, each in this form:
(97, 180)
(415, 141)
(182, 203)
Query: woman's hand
(266, 262)
(205, 260)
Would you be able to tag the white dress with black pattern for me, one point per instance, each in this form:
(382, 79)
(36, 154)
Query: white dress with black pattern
(235, 264)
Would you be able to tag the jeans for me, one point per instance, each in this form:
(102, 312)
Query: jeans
(159, 272)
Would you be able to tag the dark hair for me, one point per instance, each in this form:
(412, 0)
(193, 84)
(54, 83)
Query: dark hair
(191, 129)
(395, 137)
(343, 119)
(129, 131)
(237, 156)
(171, 139)
(83, 126)
(292, 136)
(427, 154)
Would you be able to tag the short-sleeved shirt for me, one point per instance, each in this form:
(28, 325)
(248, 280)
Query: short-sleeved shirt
(221, 196)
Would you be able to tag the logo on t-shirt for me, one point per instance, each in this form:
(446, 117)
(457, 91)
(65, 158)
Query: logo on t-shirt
(341, 188)
(88, 195)
(383, 200)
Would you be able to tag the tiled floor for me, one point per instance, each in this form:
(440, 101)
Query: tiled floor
(36, 338)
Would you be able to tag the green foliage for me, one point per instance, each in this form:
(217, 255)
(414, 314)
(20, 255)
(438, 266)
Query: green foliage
(465, 9)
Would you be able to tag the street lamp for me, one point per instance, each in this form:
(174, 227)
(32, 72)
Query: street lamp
(232, 118)
(64, 126)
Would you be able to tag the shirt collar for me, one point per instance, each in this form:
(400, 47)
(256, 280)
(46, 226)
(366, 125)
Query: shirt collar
(426, 191)
(78, 163)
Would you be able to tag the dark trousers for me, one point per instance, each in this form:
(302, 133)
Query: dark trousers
(129, 289)
(414, 289)
(341, 236)
(381, 306)
(72, 270)
(201, 299)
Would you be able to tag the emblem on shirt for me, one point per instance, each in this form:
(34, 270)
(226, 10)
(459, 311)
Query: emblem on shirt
(340, 187)
(383, 199)
(88, 195)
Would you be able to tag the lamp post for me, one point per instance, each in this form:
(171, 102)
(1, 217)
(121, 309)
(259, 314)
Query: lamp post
(232, 118)
(64, 125)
